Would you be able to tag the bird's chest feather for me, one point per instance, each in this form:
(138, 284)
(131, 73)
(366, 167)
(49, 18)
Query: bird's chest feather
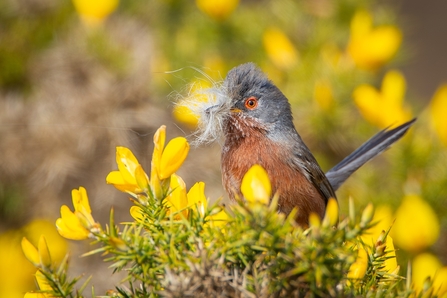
(294, 189)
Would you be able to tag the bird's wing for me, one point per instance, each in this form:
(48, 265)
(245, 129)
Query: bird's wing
(307, 164)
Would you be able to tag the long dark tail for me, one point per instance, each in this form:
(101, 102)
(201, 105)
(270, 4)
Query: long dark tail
(374, 146)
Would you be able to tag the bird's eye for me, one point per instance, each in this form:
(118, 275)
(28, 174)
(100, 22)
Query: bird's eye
(251, 103)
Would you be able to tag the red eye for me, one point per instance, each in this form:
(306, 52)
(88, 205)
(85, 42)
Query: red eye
(251, 103)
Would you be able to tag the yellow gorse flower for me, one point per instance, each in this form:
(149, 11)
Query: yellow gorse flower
(137, 213)
(323, 95)
(331, 215)
(280, 49)
(177, 200)
(76, 225)
(173, 157)
(427, 265)
(391, 265)
(125, 178)
(197, 199)
(371, 47)
(383, 217)
(358, 268)
(255, 186)
(40, 256)
(217, 9)
(417, 226)
(94, 12)
(167, 160)
(183, 113)
(43, 286)
(198, 202)
(131, 177)
(386, 106)
(438, 108)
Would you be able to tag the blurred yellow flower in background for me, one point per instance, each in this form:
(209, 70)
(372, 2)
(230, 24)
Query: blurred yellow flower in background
(94, 12)
(438, 110)
(386, 106)
(427, 265)
(16, 272)
(371, 47)
(280, 49)
(383, 217)
(417, 226)
(183, 113)
(323, 94)
(217, 9)
(255, 186)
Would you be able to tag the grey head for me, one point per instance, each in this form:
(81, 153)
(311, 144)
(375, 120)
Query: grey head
(271, 109)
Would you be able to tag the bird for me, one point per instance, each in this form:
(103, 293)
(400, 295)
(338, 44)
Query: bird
(256, 122)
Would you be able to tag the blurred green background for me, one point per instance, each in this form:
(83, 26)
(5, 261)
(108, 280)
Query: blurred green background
(79, 78)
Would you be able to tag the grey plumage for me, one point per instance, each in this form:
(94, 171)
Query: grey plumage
(371, 148)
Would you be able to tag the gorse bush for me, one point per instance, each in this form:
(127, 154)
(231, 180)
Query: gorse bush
(179, 246)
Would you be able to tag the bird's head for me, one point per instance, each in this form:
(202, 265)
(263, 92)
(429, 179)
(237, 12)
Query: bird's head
(247, 99)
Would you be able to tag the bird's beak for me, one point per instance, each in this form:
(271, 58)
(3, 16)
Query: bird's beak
(235, 110)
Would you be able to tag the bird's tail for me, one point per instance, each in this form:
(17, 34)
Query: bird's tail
(374, 146)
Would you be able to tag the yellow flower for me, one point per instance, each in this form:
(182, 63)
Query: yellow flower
(94, 12)
(198, 203)
(43, 286)
(391, 261)
(383, 217)
(256, 185)
(177, 200)
(314, 220)
(416, 226)
(427, 265)
(438, 106)
(386, 106)
(182, 111)
(219, 219)
(76, 225)
(69, 225)
(197, 199)
(125, 178)
(30, 252)
(358, 268)
(40, 256)
(217, 9)
(173, 157)
(440, 282)
(331, 215)
(56, 244)
(371, 47)
(166, 160)
(280, 49)
(323, 95)
(136, 213)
